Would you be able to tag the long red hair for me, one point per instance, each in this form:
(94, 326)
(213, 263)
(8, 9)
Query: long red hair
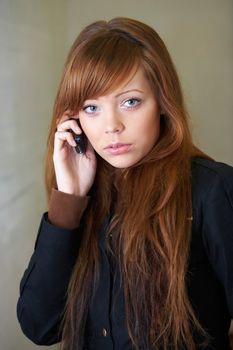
(152, 199)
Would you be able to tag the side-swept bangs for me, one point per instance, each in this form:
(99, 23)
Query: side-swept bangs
(98, 66)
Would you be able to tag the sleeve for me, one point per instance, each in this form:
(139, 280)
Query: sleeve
(44, 284)
(65, 210)
(218, 230)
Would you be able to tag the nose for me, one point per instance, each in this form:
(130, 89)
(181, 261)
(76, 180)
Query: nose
(114, 123)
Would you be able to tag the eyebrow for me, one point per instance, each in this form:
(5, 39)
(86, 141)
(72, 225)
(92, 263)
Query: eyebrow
(120, 93)
(125, 92)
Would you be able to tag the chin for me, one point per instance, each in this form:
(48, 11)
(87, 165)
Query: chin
(121, 163)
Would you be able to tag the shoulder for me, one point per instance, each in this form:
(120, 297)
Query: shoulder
(208, 169)
(212, 226)
(208, 175)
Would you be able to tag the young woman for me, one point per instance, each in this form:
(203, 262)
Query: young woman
(136, 250)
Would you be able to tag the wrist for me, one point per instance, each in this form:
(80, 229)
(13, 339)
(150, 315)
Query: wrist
(72, 192)
(66, 210)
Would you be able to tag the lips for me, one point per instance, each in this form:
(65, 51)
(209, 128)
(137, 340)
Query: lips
(118, 148)
(116, 145)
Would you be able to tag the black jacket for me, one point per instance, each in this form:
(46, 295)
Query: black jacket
(209, 278)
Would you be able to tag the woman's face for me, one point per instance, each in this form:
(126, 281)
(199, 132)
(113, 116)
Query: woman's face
(123, 125)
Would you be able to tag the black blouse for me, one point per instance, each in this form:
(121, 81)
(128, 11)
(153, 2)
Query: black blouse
(209, 278)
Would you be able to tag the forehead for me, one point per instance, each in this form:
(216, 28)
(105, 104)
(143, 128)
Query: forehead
(137, 80)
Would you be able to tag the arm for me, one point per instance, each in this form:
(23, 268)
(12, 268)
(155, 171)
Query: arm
(44, 284)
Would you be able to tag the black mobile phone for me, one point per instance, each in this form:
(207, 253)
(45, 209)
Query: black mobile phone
(81, 143)
(80, 139)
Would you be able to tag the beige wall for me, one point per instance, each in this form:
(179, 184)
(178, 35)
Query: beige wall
(34, 39)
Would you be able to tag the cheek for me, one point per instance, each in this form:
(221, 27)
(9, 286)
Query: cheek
(93, 135)
(88, 130)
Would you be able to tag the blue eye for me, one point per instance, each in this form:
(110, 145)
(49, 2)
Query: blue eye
(91, 109)
(132, 102)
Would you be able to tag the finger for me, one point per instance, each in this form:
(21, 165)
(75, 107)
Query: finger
(61, 138)
(69, 124)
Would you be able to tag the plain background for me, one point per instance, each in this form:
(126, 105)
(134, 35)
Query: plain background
(35, 36)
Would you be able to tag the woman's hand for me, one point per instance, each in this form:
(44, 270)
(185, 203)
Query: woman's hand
(75, 172)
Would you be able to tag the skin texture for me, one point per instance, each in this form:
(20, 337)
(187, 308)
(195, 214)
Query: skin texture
(129, 116)
(121, 127)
